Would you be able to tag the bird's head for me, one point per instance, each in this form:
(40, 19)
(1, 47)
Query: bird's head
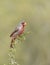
(24, 23)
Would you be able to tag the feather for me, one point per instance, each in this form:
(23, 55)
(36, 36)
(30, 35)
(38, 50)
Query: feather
(13, 32)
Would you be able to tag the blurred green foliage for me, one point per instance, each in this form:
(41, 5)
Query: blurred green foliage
(36, 48)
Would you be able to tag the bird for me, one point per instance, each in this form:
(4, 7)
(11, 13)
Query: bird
(17, 32)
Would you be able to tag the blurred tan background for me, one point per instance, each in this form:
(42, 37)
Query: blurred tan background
(36, 48)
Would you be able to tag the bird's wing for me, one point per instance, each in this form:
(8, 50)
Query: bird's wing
(13, 32)
(16, 30)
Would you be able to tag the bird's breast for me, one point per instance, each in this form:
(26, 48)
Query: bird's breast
(21, 29)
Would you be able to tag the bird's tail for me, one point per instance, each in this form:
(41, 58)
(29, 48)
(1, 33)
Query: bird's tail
(12, 42)
(11, 45)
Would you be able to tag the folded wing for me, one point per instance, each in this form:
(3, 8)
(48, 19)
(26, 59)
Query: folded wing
(13, 32)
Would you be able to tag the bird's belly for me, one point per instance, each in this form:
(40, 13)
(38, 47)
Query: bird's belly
(20, 32)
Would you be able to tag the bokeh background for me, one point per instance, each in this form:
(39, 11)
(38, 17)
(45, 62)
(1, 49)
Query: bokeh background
(35, 50)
